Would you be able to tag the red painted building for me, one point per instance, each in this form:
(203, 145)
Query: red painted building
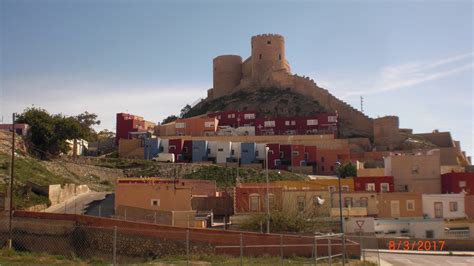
(374, 183)
(457, 182)
(309, 125)
(273, 156)
(250, 198)
(297, 155)
(176, 147)
(126, 123)
(285, 156)
(20, 129)
(311, 154)
(187, 151)
(235, 118)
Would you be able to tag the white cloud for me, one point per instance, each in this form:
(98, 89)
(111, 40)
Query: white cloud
(395, 77)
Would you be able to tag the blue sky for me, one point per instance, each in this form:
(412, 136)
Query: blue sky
(413, 59)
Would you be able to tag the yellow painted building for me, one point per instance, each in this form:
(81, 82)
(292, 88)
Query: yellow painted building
(328, 183)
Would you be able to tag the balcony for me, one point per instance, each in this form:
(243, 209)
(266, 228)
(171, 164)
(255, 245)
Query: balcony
(350, 212)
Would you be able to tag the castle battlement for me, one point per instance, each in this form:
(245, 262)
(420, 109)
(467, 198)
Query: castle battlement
(267, 67)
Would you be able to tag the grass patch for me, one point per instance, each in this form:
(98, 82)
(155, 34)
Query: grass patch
(13, 257)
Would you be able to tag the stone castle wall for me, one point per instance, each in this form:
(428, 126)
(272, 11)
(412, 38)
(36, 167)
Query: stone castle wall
(267, 67)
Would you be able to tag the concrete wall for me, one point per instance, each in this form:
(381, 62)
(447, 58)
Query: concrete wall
(60, 193)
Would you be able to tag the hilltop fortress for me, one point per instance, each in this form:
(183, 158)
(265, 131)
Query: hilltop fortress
(267, 67)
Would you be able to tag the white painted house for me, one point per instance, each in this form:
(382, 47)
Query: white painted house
(446, 206)
(223, 151)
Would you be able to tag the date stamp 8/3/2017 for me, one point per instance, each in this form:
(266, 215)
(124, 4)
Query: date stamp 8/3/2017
(416, 245)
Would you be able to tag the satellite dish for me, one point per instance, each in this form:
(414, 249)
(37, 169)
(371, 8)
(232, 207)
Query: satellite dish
(321, 201)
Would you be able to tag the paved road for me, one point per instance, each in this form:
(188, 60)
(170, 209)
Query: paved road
(77, 205)
(388, 259)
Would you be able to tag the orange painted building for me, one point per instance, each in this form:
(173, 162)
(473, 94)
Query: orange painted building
(199, 126)
(400, 204)
(153, 194)
(327, 159)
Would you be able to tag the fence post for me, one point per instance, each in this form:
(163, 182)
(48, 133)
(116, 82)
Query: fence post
(361, 246)
(187, 246)
(378, 251)
(115, 246)
(329, 251)
(281, 249)
(241, 250)
(125, 213)
(315, 248)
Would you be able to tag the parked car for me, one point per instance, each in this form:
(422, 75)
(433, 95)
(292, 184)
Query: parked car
(165, 157)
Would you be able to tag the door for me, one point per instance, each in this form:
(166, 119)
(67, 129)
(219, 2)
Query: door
(438, 209)
(395, 208)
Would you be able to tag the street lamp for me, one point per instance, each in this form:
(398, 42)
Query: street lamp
(268, 198)
(338, 165)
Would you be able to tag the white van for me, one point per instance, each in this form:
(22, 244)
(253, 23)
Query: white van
(164, 157)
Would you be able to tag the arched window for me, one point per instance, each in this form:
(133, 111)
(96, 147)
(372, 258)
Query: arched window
(254, 202)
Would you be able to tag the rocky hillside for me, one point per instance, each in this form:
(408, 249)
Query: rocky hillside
(267, 102)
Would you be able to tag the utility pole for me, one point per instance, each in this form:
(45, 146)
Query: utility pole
(12, 171)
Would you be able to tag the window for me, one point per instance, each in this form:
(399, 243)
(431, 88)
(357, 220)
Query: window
(232, 152)
(300, 203)
(249, 116)
(306, 156)
(269, 124)
(322, 168)
(185, 149)
(220, 149)
(282, 154)
(370, 187)
(332, 119)
(269, 42)
(209, 124)
(410, 205)
(332, 188)
(364, 202)
(429, 234)
(254, 200)
(332, 168)
(295, 153)
(287, 123)
(256, 153)
(347, 202)
(322, 159)
(345, 188)
(312, 122)
(231, 116)
(414, 169)
(208, 151)
(384, 187)
(260, 56)
(462, 183)
(155, 203)
(293, 123)
(453, 206)
(180, 125)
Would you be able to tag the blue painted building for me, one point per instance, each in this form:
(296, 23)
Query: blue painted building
(199, 153)
(152, 148)
(248, 153)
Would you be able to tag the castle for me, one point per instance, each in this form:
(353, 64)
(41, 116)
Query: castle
(267, 67)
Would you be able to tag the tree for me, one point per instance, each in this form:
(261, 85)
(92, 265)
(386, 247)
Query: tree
(169, 119)
(184, 111)
(87, 121)
(347, 170)
(48, 133)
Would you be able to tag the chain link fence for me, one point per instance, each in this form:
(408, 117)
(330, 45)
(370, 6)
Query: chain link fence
(119, 245)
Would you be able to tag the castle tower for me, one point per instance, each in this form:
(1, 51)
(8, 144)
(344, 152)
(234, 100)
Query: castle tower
(227, 74)
(268, 56)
